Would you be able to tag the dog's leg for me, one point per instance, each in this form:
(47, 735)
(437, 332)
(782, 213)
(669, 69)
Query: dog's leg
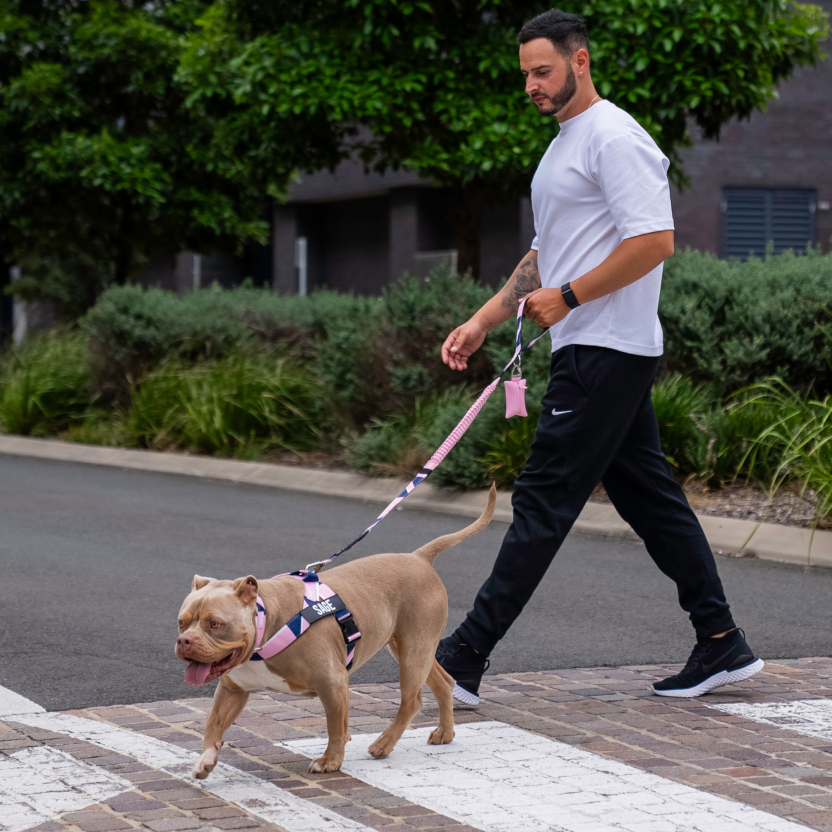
(442, 685)
(414, 666)
(228, 703)
(335, 697)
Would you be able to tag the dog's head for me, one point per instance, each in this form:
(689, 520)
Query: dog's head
(216, 627)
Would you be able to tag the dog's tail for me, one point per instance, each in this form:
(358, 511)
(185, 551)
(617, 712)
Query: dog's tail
(430, 550)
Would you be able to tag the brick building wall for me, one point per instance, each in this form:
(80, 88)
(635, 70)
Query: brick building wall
(790, 146)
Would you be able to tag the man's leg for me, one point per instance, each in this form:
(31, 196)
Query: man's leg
(593, 396)
(640, 483)
(641, 486)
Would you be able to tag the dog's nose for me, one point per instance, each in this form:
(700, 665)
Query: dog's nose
(184, 642)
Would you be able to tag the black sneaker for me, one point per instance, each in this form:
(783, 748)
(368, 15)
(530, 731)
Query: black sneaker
(713, 663)
(465, 665)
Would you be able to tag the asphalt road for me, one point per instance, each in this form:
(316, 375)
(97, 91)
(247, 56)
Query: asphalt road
(95, 562)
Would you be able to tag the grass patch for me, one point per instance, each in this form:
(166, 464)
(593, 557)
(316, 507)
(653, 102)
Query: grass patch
(44, 384)
(239, 406)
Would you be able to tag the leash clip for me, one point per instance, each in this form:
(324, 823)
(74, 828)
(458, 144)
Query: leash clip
(314, 567)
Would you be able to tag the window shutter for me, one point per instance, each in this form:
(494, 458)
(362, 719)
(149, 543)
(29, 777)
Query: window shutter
(792, 220)
(754, 217)
(746, 222)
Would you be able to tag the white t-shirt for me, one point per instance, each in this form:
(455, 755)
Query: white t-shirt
(601, 181)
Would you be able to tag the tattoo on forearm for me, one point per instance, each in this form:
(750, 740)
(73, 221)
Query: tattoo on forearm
(525, 279)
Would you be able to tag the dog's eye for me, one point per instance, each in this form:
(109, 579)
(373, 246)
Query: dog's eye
(215, 625)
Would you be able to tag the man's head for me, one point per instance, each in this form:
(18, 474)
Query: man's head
(553, 46)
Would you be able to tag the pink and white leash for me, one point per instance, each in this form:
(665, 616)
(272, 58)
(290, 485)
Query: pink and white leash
(456, 434)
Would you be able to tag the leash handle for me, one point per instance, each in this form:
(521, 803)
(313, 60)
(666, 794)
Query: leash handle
(445, 448)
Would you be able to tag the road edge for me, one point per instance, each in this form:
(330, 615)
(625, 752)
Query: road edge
(741, 538)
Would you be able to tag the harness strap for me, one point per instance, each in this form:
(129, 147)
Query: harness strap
(319, 601)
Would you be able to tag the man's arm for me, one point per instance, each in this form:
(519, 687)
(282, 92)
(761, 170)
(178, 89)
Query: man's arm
(465, 339)
(630, 261)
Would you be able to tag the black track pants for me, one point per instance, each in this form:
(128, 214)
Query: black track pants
(597, 425)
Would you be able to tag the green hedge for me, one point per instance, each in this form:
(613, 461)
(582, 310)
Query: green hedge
(244, 371)
(732, 323)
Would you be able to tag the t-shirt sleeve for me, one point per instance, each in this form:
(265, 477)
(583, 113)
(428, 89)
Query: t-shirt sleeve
(536, 243)
(632, 174)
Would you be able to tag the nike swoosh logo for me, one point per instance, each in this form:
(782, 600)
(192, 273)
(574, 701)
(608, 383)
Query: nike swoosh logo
(707, 668)
(557, 412)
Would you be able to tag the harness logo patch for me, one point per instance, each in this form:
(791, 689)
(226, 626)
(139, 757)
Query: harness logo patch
(323, 607)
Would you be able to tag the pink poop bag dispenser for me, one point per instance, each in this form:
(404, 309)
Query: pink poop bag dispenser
(515, 397)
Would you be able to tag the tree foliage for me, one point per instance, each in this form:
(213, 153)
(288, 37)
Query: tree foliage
(102, 164)
(436, 84)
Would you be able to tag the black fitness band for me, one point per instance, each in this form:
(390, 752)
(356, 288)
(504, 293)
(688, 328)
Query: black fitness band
(569, 296)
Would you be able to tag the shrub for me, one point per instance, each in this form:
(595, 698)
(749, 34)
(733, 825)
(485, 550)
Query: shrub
(732, 323)
(234, 406)
(796, 444)
(44, 384)
(465, 467)
(419, 313)
(681, 407)
(396, 446)
(509, 448)
(132, 329)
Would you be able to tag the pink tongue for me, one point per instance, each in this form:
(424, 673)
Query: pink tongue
(196, 673)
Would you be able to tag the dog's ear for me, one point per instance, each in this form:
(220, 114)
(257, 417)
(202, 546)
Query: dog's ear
(246, 589)
(198, 582)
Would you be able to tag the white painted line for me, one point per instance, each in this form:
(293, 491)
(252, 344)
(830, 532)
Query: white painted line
(13, 703)
(500, 779)
(261, 798)
(812, 717)
(40, 784)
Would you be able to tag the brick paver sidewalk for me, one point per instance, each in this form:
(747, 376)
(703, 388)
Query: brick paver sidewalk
(608, 711)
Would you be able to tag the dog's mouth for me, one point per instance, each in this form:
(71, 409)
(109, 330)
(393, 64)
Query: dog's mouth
(198, 673)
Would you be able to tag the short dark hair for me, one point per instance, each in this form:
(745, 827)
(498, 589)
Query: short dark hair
(565, 31)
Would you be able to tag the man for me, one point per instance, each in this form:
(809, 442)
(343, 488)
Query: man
(603, 228)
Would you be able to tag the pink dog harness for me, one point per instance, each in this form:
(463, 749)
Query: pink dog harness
(319, 601)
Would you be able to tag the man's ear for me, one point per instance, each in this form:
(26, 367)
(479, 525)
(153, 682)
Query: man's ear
(198, 582)
(246, 589)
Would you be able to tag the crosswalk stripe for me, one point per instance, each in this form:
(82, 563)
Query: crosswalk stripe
(42, 783)
(812, 717)
(14, 703)
(500, 779)
(261, 798)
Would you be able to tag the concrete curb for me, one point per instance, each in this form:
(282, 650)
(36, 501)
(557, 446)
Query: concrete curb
(786, 544)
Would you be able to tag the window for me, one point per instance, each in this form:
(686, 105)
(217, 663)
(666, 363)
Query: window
(752, 218)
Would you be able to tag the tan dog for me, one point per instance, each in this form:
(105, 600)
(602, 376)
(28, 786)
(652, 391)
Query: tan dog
(397, 600)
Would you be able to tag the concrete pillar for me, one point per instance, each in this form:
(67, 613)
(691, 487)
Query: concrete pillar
(187, 273)
(404, 231)
(284, 233)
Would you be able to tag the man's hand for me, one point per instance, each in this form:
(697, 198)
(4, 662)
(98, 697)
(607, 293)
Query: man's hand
(545, 307)
(462, 343)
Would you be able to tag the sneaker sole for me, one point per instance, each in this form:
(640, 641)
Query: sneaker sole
(464, 696)
(718, 680)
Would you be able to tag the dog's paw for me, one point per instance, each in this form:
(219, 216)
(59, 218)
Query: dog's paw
(441, 736)
(323, 765)
(382, 747)
(206, 763)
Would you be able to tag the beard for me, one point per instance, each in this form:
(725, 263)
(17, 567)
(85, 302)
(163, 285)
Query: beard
(562, 97)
